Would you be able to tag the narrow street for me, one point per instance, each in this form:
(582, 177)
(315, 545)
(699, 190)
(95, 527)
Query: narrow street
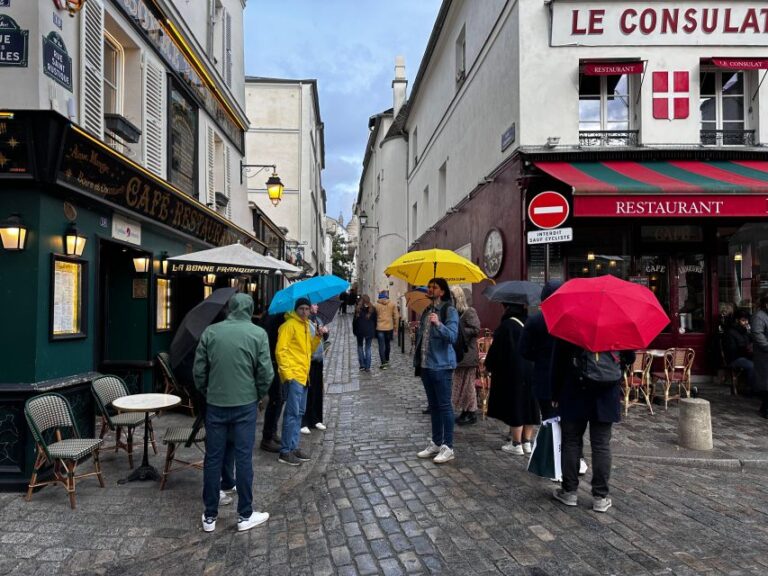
(366, 505)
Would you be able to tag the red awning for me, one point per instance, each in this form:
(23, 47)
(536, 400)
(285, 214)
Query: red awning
(612, 68)
(741, 63)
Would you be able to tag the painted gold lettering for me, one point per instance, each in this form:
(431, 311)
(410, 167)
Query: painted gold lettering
(132, 192)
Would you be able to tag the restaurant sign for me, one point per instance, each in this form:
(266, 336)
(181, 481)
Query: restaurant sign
(179, 267)
(57, 63)
(94, 169)
(14, 43)
(671, 206)
(659, 23)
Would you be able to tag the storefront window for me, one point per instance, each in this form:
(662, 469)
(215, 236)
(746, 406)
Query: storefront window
(690, 274)
(741, 279)
(163, 305)
(68, 295)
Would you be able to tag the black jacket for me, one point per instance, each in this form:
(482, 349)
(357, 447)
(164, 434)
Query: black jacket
(737, 343)
(364, 326)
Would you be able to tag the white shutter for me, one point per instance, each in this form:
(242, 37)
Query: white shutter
(154, 129)
(91, 67)
(228, 180)
(228, 48)
(210, 197)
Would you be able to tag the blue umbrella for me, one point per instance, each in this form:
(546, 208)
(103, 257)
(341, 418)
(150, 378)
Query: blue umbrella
(315, 289)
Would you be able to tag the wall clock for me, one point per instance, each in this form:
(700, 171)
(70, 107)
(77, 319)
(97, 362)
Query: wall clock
(493, 252)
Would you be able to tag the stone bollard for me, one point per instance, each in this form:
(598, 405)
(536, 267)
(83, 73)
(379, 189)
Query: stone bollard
(694, 424)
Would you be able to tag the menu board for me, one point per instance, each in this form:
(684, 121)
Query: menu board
(163, 305)
(67, 297)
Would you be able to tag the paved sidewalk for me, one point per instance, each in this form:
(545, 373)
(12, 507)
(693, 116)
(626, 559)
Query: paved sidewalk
(366, 505)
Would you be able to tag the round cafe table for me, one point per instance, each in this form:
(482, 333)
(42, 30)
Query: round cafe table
(145, 403)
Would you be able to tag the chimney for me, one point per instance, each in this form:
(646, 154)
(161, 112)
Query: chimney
(399, 84)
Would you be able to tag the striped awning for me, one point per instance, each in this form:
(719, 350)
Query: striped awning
(673, 177)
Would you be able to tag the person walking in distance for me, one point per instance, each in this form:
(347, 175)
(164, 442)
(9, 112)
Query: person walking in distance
(387, 319)
(464, 395)
(313, 416)
(435, 360)
(232, 370)
(364, 328)
(295, 345)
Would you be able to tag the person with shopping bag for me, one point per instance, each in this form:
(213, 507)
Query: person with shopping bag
(585, 390)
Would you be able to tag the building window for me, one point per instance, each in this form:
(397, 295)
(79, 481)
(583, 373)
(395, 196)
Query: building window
(461, 57)
(415, 146)
(415, 221)
(722, 105)
(441, 190)
(163, 305)
(182, 127)
(605, 111)
(113, 74)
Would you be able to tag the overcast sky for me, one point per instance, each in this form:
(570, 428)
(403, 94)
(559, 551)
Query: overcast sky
(349, 46)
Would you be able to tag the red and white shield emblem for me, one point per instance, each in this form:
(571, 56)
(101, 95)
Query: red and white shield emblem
(671, 95)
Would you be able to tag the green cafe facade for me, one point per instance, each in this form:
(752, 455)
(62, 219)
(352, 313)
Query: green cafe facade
(89, 291)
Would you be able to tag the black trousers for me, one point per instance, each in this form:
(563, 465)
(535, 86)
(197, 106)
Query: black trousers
(572, 449)
(314, 412)
(274, 407)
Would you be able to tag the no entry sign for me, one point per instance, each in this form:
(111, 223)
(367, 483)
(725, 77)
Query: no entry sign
(548, 210)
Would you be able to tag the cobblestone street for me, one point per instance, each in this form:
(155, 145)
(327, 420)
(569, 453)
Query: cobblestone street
(366, 505)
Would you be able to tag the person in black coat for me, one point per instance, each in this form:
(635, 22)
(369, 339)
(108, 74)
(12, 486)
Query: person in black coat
(737, 346)
(511, 398)
(270, 442)
(364, 328)
(581, 403)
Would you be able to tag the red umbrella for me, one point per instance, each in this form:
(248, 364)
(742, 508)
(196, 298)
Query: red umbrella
(604, 313)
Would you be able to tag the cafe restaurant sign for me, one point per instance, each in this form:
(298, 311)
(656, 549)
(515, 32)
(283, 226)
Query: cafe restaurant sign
(89, 167)
(14, 43)
(672, 206)
(659, 23)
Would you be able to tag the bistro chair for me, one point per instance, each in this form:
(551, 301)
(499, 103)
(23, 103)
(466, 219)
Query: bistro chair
(678, 363)
(58, 443)
(188, 436)
(107, 389)
(483, 380)
(729, 374)
(413, 329)
(172, 385)
(637, 378)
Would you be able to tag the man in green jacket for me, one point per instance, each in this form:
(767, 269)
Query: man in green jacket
(233, 371)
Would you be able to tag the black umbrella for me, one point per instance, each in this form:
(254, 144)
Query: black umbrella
(192, 326)
(327, 309)
(514, 292)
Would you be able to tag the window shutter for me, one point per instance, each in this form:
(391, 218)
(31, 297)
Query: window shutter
(228, 48)
(154, 118)
(211, 181)
(92, 68)
(228, 180)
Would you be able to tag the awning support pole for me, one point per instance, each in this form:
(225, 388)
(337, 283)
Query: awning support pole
(758, 86)
(642, 79)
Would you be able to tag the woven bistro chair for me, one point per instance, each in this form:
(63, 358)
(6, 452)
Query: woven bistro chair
(637, 379)
(678, 363)
(413, 329)
(50, 419)
(107, 389)
(483, 380)
(172, 385)
(188, 436)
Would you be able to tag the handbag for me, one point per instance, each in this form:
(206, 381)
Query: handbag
(545, 456)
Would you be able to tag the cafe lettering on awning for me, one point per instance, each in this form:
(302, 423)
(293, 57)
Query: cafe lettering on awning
(612, 68)
(14, 43)
(741, 63)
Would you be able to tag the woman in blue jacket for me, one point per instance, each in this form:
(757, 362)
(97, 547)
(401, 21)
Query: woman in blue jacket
(364, 327)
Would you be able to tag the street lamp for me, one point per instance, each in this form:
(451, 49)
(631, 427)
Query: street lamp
(274, 184)
(364, 220)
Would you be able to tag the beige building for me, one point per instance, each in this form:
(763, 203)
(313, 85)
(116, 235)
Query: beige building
(286, 132)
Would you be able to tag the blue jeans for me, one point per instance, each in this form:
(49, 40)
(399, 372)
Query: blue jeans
(749, 368)
(364, 351)
(438, 384)
(384, 337)
(295, 406)
(239, 423)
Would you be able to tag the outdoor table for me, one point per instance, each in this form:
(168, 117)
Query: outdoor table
(145, 403)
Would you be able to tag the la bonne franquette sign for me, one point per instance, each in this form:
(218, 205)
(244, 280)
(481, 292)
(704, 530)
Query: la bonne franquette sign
(659, 23)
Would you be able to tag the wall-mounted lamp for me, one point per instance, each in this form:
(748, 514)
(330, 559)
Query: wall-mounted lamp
(274, 184)
(164, 263)
(590, 256)
(737, 257)
(141, 264)
(612, 263)
(233, 282)
(252, 286)
(364, 220)
(209, 279)
(71, 6)
(74, 242)
(13, 233)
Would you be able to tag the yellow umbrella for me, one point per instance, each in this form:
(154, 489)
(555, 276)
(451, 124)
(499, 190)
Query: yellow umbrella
(420, 266)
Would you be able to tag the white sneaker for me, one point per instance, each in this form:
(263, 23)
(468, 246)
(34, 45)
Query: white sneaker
(224, 498)
(209, 524)
(430, 451)
(583, 467)
(256, 519)
(321, 426)
(305, 430)
(526, 448)
(512, 448)
(445, 455)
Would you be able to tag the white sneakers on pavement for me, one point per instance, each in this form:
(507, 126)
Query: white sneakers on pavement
(305, 430)
(583, 467)
(567, 498)
(512, 448)
(224, 498)
(444, 455)
(320, 426)
(527, 447)
(430, 451)
(255, 519)
(209, 523)
(601, 504)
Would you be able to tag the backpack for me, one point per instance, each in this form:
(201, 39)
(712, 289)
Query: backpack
(460, 346)
(599, 369)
